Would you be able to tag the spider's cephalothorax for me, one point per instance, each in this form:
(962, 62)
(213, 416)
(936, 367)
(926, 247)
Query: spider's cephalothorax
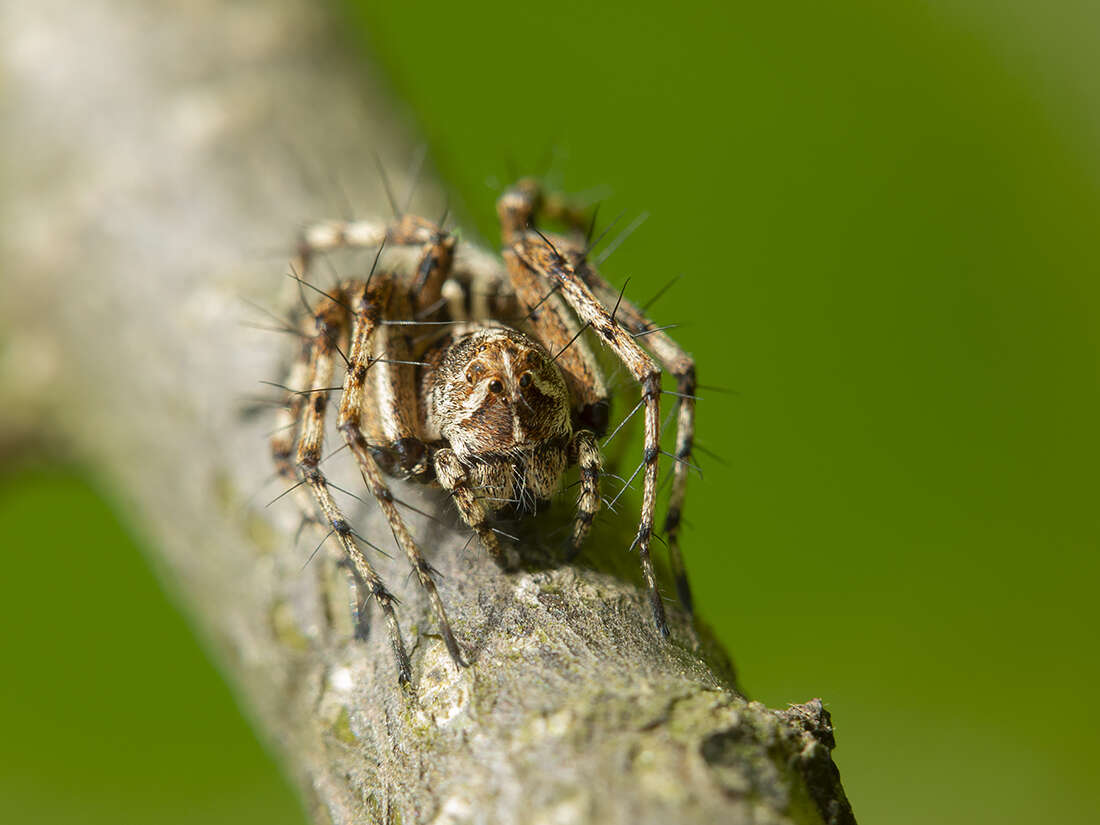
(481, 409)
(501, 403)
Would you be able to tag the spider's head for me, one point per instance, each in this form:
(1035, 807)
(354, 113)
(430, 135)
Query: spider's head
(497, 390)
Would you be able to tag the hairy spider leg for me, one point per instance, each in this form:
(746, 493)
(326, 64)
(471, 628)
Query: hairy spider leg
(518, 209)
(330, 317)
(682, 367)
(556, 327)
(367, 303)
(393, 420)
(535, 252)
(288, 416)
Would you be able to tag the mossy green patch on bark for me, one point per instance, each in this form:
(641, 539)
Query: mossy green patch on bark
(286, 629)
(341, 728)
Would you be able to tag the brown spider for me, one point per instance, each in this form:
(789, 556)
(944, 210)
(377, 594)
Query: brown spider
(491, 413)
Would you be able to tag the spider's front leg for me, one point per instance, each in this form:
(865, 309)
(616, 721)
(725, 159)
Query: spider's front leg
(673, 358)
(532, 256)
(366, 303)
(556, 327)
(518, 209)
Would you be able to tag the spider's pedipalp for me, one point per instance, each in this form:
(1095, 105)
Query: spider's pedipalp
(585, 453)
(456, 482)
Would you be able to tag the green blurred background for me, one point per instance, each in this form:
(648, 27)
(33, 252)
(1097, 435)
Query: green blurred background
(885, 215)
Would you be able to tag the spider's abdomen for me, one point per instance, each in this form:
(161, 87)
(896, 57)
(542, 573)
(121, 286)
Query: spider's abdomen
(494, 390)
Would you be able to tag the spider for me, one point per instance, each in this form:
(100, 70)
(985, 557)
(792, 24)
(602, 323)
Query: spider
(491, 412)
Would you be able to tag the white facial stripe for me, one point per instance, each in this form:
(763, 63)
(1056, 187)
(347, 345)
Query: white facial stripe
(477, 398)
(510, 368)
(519, 435)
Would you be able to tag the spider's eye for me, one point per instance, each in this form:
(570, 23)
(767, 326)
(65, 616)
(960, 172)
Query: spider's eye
(525, 380)
(495, 386)
(532, 358)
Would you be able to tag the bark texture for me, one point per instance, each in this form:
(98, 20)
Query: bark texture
(157, 159)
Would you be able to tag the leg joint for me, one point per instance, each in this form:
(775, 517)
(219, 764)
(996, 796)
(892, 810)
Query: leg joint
(685, 448)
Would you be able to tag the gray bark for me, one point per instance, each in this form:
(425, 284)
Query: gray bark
(152, 158)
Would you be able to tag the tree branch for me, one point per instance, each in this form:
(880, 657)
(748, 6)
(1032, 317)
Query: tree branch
(153, 156)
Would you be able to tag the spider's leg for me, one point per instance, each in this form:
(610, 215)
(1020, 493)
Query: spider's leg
(517, 208)
(327, 236)
(535, 253)
(454, 479)
(557, 328)
(330, 319)
(524, 201)
(436, 257)
(286, 432)
(682, 366)
(390, 417)
(432, 266)
(283, 440)
(367, 302)
(584, 451)
(356, 601)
